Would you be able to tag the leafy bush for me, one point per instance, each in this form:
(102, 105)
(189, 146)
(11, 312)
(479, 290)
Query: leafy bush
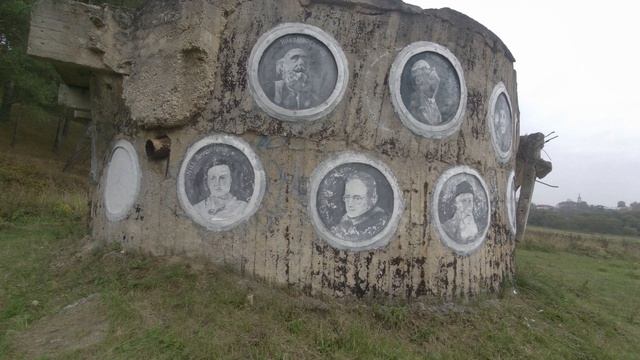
(589, 220)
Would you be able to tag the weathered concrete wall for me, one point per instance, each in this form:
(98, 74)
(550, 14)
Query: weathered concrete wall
(188, 79)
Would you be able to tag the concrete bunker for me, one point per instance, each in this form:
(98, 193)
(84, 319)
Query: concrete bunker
(327, 145)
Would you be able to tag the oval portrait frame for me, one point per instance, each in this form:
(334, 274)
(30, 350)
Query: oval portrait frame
(502, 156)
(395, 77)
(258, 185)
(280, 112)
(511, 202)
(461, 249)
(379, 240)
(135, 164)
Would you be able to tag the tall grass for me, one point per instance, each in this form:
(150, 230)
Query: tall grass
(33, 190)
(592, 245)
(32, 186)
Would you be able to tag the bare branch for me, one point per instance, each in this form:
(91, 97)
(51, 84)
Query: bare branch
(549, 185)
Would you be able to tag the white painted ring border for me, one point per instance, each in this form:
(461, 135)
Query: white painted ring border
(133, 157)
(395, 77)
(461, 249)
(280, 112)
(259, 184)
(379, 240)
(511, 202)
(502, 156)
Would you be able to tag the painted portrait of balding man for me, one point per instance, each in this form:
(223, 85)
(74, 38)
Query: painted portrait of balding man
(363, 217)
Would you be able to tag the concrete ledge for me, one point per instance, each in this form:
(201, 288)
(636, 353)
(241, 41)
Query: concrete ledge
(78, 35)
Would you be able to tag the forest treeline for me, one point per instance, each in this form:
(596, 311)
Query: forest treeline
(589, 219)
(25, 80)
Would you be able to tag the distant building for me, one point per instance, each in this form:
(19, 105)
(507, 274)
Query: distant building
(567, 205)
(545, 207)
(570, 205)
(581, 205)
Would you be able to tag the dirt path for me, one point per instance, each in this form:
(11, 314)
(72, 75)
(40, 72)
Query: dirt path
(77, 326)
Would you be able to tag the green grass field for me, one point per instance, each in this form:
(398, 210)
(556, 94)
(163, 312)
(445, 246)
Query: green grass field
(575, 297)
(566, 306)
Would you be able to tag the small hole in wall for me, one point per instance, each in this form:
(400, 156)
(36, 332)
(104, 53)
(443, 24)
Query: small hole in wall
(158, 148)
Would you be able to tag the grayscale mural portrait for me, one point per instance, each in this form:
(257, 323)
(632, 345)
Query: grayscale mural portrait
(355, 203)
(220, 182)
(297, 72)
(512, 199)
(122, 182)
(428, 90)
(501, 125)
(462, 209)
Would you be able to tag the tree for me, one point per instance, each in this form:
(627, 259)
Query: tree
(24, 79)
(622, 204)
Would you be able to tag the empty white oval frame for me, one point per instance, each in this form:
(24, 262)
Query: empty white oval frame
(428, 89)
(122, 182)
(355, 202)
(221, 182)
(511, 199)
(297, 72)
(501, 122)
(461, 209)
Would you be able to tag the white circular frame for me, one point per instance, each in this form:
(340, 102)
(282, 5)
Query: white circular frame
(511, 202)
(502, 156)
(115, 215)
(461, 249)
(395, 77)
(259, 183)
(280, 112)
(379, 240)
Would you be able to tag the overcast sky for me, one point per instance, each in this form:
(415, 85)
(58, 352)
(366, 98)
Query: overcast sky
(577, 75)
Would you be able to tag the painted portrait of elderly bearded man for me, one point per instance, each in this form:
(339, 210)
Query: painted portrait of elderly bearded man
(463, 208)
(462, 226)
(294, 91)
(297, 72)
